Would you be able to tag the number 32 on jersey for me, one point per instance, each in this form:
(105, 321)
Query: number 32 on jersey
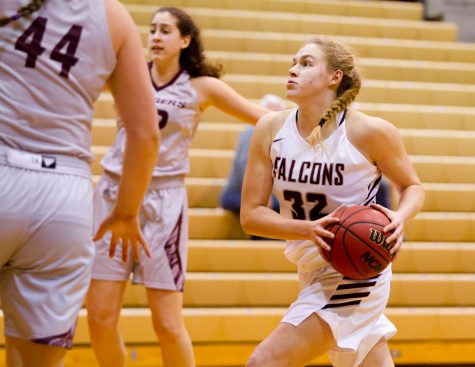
(297, 198)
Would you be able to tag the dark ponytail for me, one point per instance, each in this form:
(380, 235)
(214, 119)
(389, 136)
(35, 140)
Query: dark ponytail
(192, 58)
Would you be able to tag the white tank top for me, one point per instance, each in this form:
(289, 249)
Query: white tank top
(312, 182)
(179, 115)
(53, 65)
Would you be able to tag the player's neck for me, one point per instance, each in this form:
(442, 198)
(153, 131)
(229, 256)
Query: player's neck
(311, 109)
(309, 115)
(163, 74)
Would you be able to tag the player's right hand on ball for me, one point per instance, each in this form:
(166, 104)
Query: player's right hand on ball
(318, 231)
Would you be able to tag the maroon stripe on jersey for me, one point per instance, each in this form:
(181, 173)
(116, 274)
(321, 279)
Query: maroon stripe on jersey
(172, 250)
(372, 191)
(349, 295)
(352, 298)
(342, 118)
(344, 304)
(355, 285)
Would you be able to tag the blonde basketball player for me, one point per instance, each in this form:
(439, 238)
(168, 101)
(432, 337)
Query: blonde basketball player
(55, 57)
(317, 157)
(184, 85)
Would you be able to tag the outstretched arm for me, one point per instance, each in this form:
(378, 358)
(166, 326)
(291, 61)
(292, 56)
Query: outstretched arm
(215, 92)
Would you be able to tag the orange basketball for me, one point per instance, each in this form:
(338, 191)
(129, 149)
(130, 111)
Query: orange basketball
(359, 249)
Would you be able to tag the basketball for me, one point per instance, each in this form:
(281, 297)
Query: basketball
(359, 249)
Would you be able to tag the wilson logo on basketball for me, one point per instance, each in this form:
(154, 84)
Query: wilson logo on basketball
(378, 238)
(359, 249)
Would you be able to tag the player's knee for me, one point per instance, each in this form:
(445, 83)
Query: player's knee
(252, 362)
(99, 318)
(268, 355)
(169, 329)
(258, 360)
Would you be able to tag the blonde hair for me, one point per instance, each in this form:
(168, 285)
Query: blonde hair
(24, 11)
(338, 57)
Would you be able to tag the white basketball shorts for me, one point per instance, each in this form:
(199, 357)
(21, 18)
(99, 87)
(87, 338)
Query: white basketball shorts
(164, 223)
(46, 248)
(353, 309)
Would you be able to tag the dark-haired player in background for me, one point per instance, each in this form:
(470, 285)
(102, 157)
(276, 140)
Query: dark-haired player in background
(184, 84)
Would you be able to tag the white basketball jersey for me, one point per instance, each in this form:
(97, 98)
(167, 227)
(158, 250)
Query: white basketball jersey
(312, 182)
(53, 65)
(179, 115)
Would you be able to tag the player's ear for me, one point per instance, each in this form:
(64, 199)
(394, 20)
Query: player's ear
(335, 77)
(185, 41)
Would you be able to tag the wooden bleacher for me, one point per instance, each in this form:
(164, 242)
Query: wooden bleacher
(419, 78)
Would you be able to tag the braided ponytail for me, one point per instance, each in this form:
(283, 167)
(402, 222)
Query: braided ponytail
(24, 11)
(338, 58)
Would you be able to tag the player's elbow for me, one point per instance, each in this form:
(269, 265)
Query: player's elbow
(244, 219)
(247, 222)
(149, 136)
(155, 138)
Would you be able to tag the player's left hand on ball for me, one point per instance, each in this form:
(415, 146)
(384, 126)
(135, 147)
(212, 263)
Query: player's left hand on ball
(125, 231)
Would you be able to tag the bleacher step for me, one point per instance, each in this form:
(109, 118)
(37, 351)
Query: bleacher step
(268, 256)
(265, 289)
(252, 324)
(366, 9)
(408, 116)
(234, 19)
(372, 68)
(455, 353)
(379, 47)
(211, 135)
(217, 163)
(217, 223)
